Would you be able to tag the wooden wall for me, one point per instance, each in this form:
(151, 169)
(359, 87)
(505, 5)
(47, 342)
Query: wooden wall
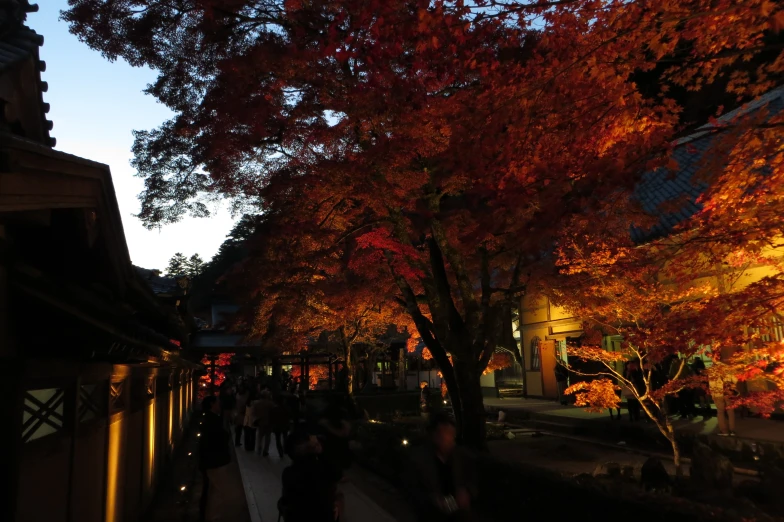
(96, 439)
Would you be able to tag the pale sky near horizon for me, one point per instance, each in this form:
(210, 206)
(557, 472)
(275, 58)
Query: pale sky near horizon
(95, 104)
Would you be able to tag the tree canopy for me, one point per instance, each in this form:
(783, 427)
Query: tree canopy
(440, 149)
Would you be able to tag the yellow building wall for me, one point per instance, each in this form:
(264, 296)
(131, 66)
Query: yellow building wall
(557, 313)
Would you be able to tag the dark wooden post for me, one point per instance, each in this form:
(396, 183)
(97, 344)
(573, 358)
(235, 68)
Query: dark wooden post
(71, 424)
(12, 390)
(329, 365)
(305, 373)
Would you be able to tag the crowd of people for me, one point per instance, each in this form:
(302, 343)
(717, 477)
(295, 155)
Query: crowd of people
(683, 403)
(316, 442)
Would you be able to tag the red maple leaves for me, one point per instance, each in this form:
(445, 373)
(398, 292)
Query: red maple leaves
(440, 160)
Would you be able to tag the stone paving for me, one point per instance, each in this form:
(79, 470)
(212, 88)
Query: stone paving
(261, 478)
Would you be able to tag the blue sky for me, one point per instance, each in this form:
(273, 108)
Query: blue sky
(95, 104)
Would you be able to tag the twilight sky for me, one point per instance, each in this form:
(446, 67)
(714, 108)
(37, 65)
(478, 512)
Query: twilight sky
(95, 105)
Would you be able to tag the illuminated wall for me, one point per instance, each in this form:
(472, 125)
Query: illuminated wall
(115, 470)
(171, 416)
(150, 445)
(183, 384)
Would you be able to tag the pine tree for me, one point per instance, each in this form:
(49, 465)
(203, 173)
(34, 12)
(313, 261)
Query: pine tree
(178, 265)
(194, 266)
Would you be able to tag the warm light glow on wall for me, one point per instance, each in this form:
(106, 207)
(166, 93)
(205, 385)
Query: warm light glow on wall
(151, 443)
(182, 403)
(171, 415)
(190, 393)
(113, 470)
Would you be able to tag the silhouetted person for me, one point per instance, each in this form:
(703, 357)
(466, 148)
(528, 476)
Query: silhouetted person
(262, 409)
(250, 423)
(240, 405)
(439, 477)
(698, 369)
(227, 400)
(214, 459)
(562, 381)
(635, 376)
(335, 428)
(280, 420)
(309, 484)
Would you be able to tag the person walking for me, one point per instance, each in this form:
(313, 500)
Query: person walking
(439, 478)
(214, 459)
(261, 414)
(335, 429)
(249, 425)
(634, 375)
(619, 393)
(240, 406)
(280, 421)
(562, 381)
(310, 492)
(698, 369)
(227, 399)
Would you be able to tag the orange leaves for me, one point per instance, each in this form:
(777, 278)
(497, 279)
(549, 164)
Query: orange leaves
(412, 343)
(474, 159)
(316, 373)
(498, 361)
(597, 395)
(596, 354)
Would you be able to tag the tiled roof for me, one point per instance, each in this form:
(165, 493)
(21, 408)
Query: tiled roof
(158, 284)
(18, 43)
(661, 186)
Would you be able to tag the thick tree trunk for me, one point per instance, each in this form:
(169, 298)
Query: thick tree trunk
(349, 364)
(471, 422)
(401, 369)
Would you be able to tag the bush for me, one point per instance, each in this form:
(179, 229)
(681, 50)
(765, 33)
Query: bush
(383, 406)
(504, 487)
(384, 447)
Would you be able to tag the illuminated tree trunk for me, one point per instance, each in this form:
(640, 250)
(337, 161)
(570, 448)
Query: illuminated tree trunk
(401, 369)
(471, 418)
(666, 429)
(349, 364)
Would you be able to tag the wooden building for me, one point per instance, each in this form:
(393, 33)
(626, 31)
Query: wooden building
(93, 372)
(545, 328)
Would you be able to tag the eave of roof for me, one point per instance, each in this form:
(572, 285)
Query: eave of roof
(662, 186)
(18, 43)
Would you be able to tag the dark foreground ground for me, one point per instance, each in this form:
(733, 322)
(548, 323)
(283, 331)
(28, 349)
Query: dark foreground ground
(175, 505)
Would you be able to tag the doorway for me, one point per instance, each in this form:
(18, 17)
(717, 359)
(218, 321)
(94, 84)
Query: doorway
(549, 386)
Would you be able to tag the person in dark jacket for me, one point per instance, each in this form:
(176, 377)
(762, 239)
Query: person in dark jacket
(310, 484)
(334, 430)
(439, 478)
(214, 459)
(280, 421)
(561, 380)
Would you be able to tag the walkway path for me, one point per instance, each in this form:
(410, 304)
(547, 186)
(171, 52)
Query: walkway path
(261, 477)
(748, 428)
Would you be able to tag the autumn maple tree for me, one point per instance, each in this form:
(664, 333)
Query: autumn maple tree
(707, 286)
(443, 145)
(299, 294)
(216, 368)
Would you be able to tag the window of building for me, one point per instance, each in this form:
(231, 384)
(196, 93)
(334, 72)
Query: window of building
(536, 357)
